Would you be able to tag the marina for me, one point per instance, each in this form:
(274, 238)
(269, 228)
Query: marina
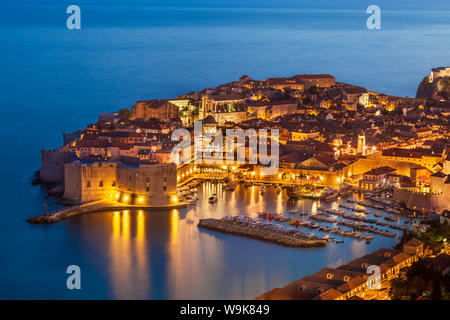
(329, 221)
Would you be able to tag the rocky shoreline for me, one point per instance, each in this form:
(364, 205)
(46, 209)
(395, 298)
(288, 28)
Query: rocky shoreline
(280, 238)
(43, 220)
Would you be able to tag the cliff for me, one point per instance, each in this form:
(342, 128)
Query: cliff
(437, 89)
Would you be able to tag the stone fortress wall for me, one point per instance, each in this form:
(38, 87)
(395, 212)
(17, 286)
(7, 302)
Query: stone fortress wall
(153, 184)
(52, 165)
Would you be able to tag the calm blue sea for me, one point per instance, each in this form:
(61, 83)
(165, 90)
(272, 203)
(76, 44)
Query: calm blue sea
(54, 80)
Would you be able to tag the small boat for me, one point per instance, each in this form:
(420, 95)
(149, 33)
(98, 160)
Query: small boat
(339, 241)
(293, 211)
(212, 198)
(325, 237)
(283, 219)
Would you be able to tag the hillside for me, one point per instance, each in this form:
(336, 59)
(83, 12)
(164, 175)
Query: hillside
(437, 89)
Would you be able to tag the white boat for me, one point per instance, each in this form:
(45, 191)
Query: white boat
(293, 211)
(212, 198)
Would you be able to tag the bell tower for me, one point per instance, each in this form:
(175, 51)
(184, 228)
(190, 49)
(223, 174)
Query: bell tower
(361, 149)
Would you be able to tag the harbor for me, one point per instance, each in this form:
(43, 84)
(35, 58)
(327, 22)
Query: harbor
(357, 216)
(197, 257)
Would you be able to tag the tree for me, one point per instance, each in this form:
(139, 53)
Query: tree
(398, 289)
(125, 113)
(313, 90)
(436, 293)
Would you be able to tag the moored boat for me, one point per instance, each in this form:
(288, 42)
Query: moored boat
(212, 198)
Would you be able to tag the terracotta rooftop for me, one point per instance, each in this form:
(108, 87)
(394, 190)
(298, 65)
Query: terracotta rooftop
(380, 171)
(330, 294)
(414, 243)
(312, 76)
(285, 294)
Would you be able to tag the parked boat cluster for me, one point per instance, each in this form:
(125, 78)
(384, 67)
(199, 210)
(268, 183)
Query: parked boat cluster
(363, 223)
(354, 222)
(379, 204)
(188, 192)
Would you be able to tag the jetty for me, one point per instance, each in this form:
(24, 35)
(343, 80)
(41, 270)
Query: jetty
(261, 232)
(93, 206)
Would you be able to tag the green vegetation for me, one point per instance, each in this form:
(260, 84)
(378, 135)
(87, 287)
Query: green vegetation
(313, 90)
(433, 238)
(422, 281)
(125, 113)
(360, 107)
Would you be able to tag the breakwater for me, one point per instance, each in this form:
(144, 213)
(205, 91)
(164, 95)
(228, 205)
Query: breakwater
(260, 233)
(94, 206)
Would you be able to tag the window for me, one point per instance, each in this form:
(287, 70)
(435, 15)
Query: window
(165, 179)
(164, 188)
(147, 189)
(329, 276)
(113, 184)
(147, 180)
(100, 184)
(88, 184)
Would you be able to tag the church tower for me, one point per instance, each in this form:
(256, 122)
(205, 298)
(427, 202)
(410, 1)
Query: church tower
(361, 149)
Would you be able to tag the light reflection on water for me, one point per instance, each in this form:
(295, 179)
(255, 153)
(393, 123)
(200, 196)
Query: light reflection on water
(163, 254)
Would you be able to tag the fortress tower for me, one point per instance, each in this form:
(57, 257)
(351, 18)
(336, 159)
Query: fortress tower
(440, 72)
(361, 149)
